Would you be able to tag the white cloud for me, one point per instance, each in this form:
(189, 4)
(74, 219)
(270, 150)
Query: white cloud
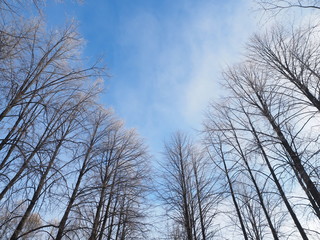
(209, 40)
(173, 63)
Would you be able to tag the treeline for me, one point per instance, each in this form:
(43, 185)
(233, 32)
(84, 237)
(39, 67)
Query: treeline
(69, 169)
(256, 172)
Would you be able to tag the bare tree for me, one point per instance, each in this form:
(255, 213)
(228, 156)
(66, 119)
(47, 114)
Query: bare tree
(95, 124)
(216, 149)
(244, 155)
(105, 201)
(122, 171)
(188, 188)
(33, 79)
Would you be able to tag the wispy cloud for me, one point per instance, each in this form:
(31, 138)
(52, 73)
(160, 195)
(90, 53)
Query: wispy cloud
(172, 62)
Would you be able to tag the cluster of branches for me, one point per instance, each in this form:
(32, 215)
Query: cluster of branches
(277, 6)
(264, 138)
(69, 169)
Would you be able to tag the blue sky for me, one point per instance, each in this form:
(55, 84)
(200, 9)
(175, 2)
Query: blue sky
(164, 57)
